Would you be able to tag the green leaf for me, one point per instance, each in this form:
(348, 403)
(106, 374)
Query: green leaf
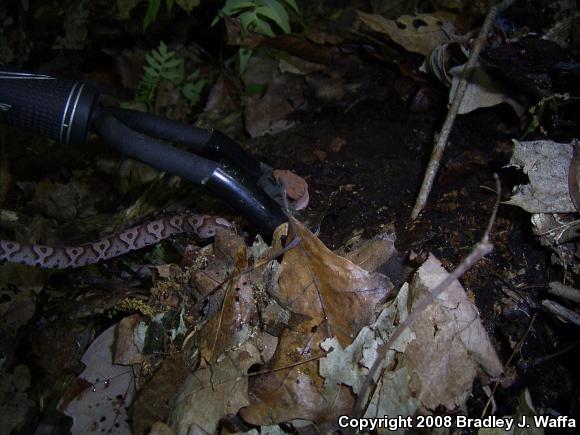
(161, 54)
(234, 7)
(293, 5)
(194, 75)
(192, 91)
(248, 20)
(254, 89)
(169, 4)
(244, 55)
(264, 28)
(151, 13)
(150, 71)
(276, 12)
(172, 63)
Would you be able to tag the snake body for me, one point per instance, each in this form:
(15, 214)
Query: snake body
(112, 246)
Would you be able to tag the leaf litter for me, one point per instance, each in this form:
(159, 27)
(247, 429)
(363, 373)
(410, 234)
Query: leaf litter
(291, 340)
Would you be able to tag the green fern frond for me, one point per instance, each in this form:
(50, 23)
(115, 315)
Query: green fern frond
(161, 64)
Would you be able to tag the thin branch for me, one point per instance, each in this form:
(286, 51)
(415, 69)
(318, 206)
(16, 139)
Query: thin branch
(480, 250)
(443, 135)
(508, 363)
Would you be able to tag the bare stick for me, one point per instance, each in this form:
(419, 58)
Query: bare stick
(508, 363)
(443, 135)
(480, 250)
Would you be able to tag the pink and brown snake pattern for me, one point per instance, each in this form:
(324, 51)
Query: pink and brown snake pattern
(118, 244)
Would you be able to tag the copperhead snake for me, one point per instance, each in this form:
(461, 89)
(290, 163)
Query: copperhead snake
(115, 245)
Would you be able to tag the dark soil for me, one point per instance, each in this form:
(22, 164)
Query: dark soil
(369, 186)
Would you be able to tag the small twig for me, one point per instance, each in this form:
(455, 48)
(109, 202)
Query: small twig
(562, 312)
(508, 363)
(573, 182)
(443, 135)
(480, 250)
(564, 291)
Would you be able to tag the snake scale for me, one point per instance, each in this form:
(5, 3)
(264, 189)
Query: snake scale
(112, 246)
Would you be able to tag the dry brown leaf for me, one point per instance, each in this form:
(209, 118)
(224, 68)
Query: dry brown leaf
(270, 113)
(334, 292)
(296, 187)
(294, 393)
(236, 317)
(372, 254)
(419, 33)
(152, 404)
(127, 350)
(221, 263)
(328, 295)
(234, 324)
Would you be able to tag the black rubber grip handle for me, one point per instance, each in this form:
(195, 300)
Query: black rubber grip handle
(59, 109)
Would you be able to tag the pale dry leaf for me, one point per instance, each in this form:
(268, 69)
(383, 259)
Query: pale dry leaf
(546, 163)
(451, 343)
(129, 344)
(104, 391)
(392, 397)
(350, 366)
(482, 91)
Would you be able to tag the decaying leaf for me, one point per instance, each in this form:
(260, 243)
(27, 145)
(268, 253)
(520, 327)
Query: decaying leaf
(214, 391)
(19, 286)
(290, 386)
(350, 366)
(152, 403)
(328, 296)
(547, 195)
(234, 324)
(450, 345)
(236, 317)
(296, 187)
(554, 229)
(332, 291)
(222, 258)
(269, 112)
(16, 405)
(482, 91)
(419, 33)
